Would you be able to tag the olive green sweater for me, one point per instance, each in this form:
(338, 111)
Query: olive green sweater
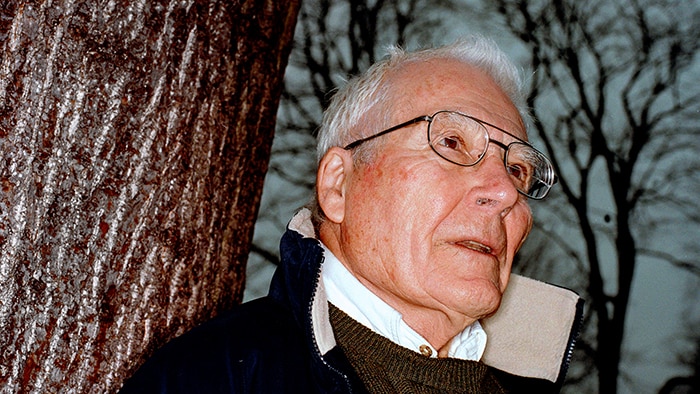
(385, 367)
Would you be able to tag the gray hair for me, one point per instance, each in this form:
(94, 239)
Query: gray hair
(363, 99)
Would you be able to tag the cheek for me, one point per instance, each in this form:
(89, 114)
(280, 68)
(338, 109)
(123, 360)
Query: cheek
(365, 189)
(517, 230)
(523, 225)
(368, 209)
(376, 177)
(382, 187)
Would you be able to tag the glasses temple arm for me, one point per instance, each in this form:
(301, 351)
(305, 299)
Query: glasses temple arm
(353, 145)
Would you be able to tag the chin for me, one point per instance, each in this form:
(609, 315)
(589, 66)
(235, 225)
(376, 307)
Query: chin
(481, 301)
(492, 309)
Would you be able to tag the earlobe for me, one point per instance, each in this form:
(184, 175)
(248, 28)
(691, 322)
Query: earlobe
(333, 171)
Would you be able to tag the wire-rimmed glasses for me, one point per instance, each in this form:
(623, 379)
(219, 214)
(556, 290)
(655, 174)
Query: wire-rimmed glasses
(463, 140)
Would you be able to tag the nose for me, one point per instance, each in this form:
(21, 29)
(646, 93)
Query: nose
(492, 185)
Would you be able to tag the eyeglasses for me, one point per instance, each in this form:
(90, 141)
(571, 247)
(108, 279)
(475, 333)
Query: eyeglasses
(463, 140)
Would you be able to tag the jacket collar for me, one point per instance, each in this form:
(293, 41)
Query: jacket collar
(320, 323)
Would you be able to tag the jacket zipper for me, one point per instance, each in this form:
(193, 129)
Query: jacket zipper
(575, 332)
(313, 334)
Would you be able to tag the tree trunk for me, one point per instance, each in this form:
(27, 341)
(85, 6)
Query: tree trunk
(134, 139)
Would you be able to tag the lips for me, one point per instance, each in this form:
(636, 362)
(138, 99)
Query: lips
(476, 246)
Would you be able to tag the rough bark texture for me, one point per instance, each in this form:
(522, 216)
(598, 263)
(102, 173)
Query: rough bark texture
(134, 138)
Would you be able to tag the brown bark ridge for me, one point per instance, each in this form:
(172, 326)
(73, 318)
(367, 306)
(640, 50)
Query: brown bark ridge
(134, 139)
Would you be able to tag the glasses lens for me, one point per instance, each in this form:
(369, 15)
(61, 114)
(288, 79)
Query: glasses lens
(457, 138)
(531, 171)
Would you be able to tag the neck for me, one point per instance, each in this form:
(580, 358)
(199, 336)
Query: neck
(436, 326)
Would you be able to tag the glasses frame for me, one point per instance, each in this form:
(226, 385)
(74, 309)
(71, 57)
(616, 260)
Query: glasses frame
(429, 119)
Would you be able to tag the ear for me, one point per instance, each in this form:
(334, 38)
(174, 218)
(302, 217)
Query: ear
(333, 172)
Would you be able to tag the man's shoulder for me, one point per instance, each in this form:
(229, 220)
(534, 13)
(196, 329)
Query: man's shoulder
(251, 324)
(224, 351)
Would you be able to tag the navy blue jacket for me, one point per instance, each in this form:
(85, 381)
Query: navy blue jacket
(281, 343)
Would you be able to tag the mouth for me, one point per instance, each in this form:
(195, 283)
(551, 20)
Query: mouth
(476, 246)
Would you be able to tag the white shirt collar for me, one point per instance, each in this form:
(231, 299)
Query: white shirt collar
(352, 297)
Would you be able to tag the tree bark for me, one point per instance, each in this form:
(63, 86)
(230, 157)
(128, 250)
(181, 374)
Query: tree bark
(134, 139)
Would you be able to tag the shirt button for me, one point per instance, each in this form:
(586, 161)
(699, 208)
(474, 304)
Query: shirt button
(425, 350)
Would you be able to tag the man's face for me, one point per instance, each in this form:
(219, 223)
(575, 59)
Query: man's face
(424, 234)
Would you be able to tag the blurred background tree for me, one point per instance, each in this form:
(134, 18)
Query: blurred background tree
(614, 93)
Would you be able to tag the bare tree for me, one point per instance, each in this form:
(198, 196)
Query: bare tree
(616, 102)
(134, 138)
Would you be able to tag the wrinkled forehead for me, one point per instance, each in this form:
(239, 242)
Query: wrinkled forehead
(425, 87)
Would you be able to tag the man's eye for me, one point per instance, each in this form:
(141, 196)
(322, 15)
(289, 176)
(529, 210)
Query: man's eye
(453, 142)
(518, 171)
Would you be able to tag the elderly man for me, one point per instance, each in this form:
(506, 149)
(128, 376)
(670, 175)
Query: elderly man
(393, 284)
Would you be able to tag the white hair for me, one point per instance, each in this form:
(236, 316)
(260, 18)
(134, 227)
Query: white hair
(363, 99)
